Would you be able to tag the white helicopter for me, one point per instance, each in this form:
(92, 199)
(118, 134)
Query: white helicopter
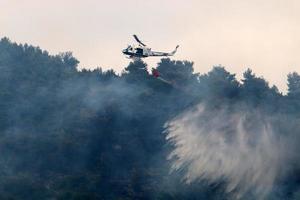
(142, 51)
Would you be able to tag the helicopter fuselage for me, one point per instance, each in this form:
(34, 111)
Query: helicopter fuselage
(141, 52)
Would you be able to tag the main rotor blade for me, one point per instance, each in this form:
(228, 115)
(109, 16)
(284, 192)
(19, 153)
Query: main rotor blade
(139, 41)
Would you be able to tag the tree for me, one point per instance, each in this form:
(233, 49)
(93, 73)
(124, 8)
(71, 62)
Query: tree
(179, 72)
(219, 83)
(136, 71)
(294, 85)
(256, 90)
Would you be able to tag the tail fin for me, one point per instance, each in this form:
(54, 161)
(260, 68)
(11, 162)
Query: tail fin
(173, 52)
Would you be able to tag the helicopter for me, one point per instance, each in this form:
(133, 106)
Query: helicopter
(142, 51)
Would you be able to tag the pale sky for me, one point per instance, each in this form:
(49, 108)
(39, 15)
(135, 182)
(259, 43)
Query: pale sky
(263, 35)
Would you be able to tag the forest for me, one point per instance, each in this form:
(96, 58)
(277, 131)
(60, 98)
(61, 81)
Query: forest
(69, 133)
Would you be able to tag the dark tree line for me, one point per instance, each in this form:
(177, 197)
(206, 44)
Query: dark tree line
(91, 134)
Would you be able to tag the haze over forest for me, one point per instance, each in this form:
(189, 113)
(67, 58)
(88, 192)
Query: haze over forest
(94, 134)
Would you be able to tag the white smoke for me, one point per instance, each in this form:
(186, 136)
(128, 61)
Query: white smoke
(238, 147)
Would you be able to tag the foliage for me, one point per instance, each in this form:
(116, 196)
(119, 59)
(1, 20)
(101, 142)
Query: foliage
(93, 134)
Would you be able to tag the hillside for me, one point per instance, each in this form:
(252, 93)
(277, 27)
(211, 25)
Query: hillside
(94, 134)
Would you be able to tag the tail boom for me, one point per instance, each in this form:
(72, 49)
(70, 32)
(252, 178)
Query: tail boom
(156, 53)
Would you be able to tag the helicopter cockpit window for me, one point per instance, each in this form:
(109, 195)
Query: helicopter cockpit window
(139, 51)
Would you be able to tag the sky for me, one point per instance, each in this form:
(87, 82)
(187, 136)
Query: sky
(263, 35)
